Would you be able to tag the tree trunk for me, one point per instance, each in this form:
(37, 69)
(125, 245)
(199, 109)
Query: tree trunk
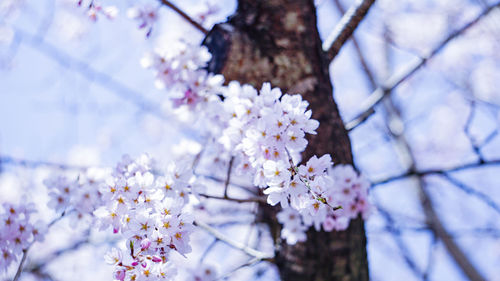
(277, 41)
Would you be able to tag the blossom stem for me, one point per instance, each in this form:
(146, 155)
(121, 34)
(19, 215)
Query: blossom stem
(25, 251)
(185, 16)
(228, 177)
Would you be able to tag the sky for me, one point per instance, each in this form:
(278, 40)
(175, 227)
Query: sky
(73, 91)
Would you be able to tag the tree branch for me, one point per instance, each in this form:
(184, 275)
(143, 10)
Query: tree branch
(36, 164)
(246, 200)
(345, 28)
(228, 176)
(451, 246)
(395, 80)
(250, 189)
(437, 171)
(472, 191)
(185, 16)
(431, 216)
(25, 251)
(237, 245)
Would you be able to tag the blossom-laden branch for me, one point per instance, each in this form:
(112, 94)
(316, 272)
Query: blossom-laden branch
(346, 27)
(263, 131)
(24, 231)
(367, 107)
(185, 16)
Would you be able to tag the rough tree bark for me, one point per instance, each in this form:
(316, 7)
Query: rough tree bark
(277, 41)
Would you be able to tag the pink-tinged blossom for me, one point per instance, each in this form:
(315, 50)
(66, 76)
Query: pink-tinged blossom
(147, 16)
(148, 210)
(265, 132)
(315, 166)
(276, 172)
(277, 195)
(113, 257)
(94, 8)
(17, 231)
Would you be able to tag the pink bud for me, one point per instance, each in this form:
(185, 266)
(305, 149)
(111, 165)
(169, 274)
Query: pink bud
(115, 230)
(145, 243)
(156, 259)
(135, 263)
(120, 274)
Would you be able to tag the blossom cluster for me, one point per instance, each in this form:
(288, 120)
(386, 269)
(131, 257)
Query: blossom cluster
(94, 8)
(147, 210)
(17, 231)
(338, 194)
(181, 69)
(265, 131)
(82, 196)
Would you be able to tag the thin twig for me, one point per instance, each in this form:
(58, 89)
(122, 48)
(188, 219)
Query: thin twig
(345, 28)
(431, 216)
(21, 264)
(207, 250)
(467, 131)
(400, 243)
(185, 16)
(237, 245)
(228, 176)
(66, 60)
(250, 262)
(36, 164)
(395, 80)
(472, 191)
(25, 251)
(242, 200)
(452, 247)
(437, 171)
(250, 189)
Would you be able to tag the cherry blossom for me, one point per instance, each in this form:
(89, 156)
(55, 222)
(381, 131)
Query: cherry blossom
(17, 231)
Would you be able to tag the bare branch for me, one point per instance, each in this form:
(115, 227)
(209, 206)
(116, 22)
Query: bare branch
(476, 193)
(108, 82)
(431, 258)
(345, 28)
(207, 250)
(451, 246)
(467, 130)
(228, 176)
(36, 164)
(395, 80)
(250, 262)
(250, 189)
(237, 245)
(21, 264)
(243, 200)
(437, 171)
(65, 60)
(431, 216)
(185, 16)
(400, 243)
(25, 251)
(364, 65)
